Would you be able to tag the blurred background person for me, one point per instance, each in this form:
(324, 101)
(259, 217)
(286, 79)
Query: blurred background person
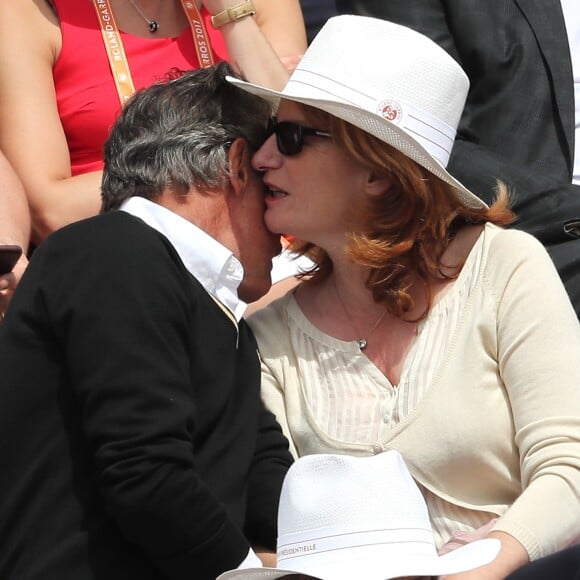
(62, 95)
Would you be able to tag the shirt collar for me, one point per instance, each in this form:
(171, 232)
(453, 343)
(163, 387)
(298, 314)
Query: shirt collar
(211, 263)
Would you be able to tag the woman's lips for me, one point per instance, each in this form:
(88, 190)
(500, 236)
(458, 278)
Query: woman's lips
(274, 194)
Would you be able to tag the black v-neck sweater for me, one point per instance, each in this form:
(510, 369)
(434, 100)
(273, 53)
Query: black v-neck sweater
(133, 443)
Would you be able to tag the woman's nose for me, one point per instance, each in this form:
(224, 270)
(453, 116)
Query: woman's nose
(267, 156)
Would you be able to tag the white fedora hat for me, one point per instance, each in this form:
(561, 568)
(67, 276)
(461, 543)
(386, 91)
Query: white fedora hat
(343, 517)
(388, 80)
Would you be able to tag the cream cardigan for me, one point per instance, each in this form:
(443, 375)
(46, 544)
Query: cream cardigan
(498, 429)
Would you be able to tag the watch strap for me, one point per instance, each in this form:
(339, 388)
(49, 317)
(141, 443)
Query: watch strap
(233, 13)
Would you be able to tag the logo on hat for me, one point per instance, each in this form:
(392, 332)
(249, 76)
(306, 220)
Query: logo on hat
(390, 110)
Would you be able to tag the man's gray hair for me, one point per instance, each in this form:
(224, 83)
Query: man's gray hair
(177, 133)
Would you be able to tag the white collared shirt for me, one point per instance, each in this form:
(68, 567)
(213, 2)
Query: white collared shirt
(211, 263)
(571, 10)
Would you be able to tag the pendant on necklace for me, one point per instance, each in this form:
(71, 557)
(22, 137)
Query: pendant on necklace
(362, 343)
(153, 26)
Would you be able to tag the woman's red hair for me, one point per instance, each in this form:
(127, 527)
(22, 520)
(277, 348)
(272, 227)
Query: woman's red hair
(405, 231)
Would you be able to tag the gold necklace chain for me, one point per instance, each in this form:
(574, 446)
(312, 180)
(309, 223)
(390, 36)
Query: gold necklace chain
(153, 25)
(363, 340)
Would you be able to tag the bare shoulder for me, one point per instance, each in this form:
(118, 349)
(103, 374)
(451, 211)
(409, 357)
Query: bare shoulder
(30, 26)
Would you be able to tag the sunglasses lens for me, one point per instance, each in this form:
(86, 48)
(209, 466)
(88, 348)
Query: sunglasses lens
(290, 135)
(289, 138)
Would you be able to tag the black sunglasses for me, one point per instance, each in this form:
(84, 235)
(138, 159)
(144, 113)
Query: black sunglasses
(290, 136)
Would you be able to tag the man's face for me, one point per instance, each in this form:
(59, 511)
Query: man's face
(256, 245)
(235, 218)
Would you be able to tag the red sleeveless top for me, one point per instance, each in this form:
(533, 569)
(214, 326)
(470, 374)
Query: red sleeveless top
(87, 99)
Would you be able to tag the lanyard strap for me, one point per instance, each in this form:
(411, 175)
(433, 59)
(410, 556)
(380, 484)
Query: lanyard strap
(199, 33)
(116, 52)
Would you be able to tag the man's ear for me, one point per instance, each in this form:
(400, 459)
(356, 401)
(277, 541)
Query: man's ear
(377, 184)
(239, 158)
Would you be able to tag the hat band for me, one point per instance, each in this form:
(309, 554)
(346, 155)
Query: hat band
(436, 136)
(335, 542)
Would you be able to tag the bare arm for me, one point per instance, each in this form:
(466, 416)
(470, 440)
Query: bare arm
(283, 26)
(31, 133)
(14, 216)
(257, 45)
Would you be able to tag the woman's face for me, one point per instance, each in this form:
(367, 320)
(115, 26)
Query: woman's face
(311, 195)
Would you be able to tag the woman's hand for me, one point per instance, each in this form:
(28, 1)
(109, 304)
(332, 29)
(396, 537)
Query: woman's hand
(267, 557)
(512, 555)
(291, 62)
(461, 538)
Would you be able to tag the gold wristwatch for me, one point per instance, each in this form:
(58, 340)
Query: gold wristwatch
(228, 15)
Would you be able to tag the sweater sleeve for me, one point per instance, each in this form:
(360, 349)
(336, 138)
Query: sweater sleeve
(269, 326)
(271, 462)
(539, 361)
(125, 327)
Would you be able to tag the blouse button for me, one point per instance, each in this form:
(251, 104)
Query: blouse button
(377, 448)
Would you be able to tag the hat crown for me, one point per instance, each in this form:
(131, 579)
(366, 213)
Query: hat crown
(355, 494)
(388, 62)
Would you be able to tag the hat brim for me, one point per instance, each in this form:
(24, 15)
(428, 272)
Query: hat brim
(468, 557)
(372, 123)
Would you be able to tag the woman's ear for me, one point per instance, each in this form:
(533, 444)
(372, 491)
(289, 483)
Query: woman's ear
(377, 184)
(240, 165)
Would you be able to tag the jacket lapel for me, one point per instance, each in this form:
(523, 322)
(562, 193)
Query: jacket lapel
(547, 21)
